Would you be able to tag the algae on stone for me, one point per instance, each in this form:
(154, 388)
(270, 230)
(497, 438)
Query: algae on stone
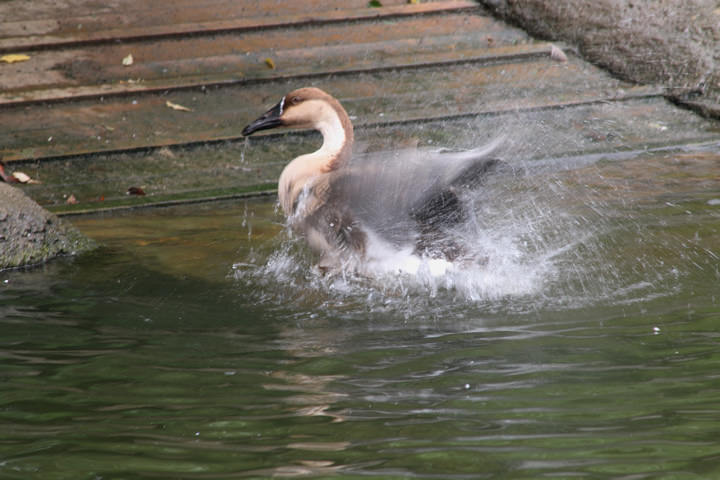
(30, 235)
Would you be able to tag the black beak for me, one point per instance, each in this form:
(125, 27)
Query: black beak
(269, 119)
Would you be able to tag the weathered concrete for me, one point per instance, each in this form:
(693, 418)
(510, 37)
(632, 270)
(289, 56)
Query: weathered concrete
(669, 42)
(30, 235)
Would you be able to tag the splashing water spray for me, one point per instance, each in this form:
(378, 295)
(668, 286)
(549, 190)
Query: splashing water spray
(538, 236)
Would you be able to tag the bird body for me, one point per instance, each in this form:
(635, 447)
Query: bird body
(343, 206)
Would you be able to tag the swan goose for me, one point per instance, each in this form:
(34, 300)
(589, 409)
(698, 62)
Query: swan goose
(340, 205)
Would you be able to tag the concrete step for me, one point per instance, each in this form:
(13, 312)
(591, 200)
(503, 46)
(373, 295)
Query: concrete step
(236, 168)
(423, 91)
(139, 20)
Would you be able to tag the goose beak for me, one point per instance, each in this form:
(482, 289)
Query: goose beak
(269, 119)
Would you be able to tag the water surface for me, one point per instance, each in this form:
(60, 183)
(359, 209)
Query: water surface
(200, 343)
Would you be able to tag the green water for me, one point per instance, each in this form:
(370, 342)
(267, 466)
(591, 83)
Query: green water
(198, 343)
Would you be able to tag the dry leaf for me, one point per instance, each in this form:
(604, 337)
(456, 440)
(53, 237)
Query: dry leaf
(24, 178)
(71, 200)
(127, 61)
(14, 57)
(135, 191)
(21, 177)
(175, 106)
(413, 2)
(166, 152)
(557, 54)
(269, 62)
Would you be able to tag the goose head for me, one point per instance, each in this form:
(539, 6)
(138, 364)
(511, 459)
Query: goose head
(308, 108)
(305, 108)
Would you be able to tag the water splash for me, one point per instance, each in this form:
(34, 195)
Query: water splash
(562, 235)
(514, 250)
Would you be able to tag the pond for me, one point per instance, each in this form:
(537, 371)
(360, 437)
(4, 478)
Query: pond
(199, 342)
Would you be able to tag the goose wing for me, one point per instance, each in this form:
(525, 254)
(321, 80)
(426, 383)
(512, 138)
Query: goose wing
(405, 194)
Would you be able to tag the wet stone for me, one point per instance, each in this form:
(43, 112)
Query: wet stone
(30, 235)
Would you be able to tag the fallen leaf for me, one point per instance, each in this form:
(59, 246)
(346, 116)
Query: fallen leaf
(413, 2)
(14, 57)
(166, 152)
(135, 191)
(374, 3)
(24, 178)
(127, 61)
(21, 177)
(71, 200)
(269, 62)
(175, 106)
(557, 54)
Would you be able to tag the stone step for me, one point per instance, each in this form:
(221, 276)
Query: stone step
(246, 167)
(426, 91)
(140, 20)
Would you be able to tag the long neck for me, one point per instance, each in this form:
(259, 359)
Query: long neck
(337, 132)
(336, 151)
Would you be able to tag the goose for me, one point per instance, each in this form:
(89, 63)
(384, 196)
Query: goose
(349, 208)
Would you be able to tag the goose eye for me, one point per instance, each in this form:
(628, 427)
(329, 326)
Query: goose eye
(295, 100)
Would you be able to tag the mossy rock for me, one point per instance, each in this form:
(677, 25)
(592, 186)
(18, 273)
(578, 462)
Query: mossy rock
(30, 235)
